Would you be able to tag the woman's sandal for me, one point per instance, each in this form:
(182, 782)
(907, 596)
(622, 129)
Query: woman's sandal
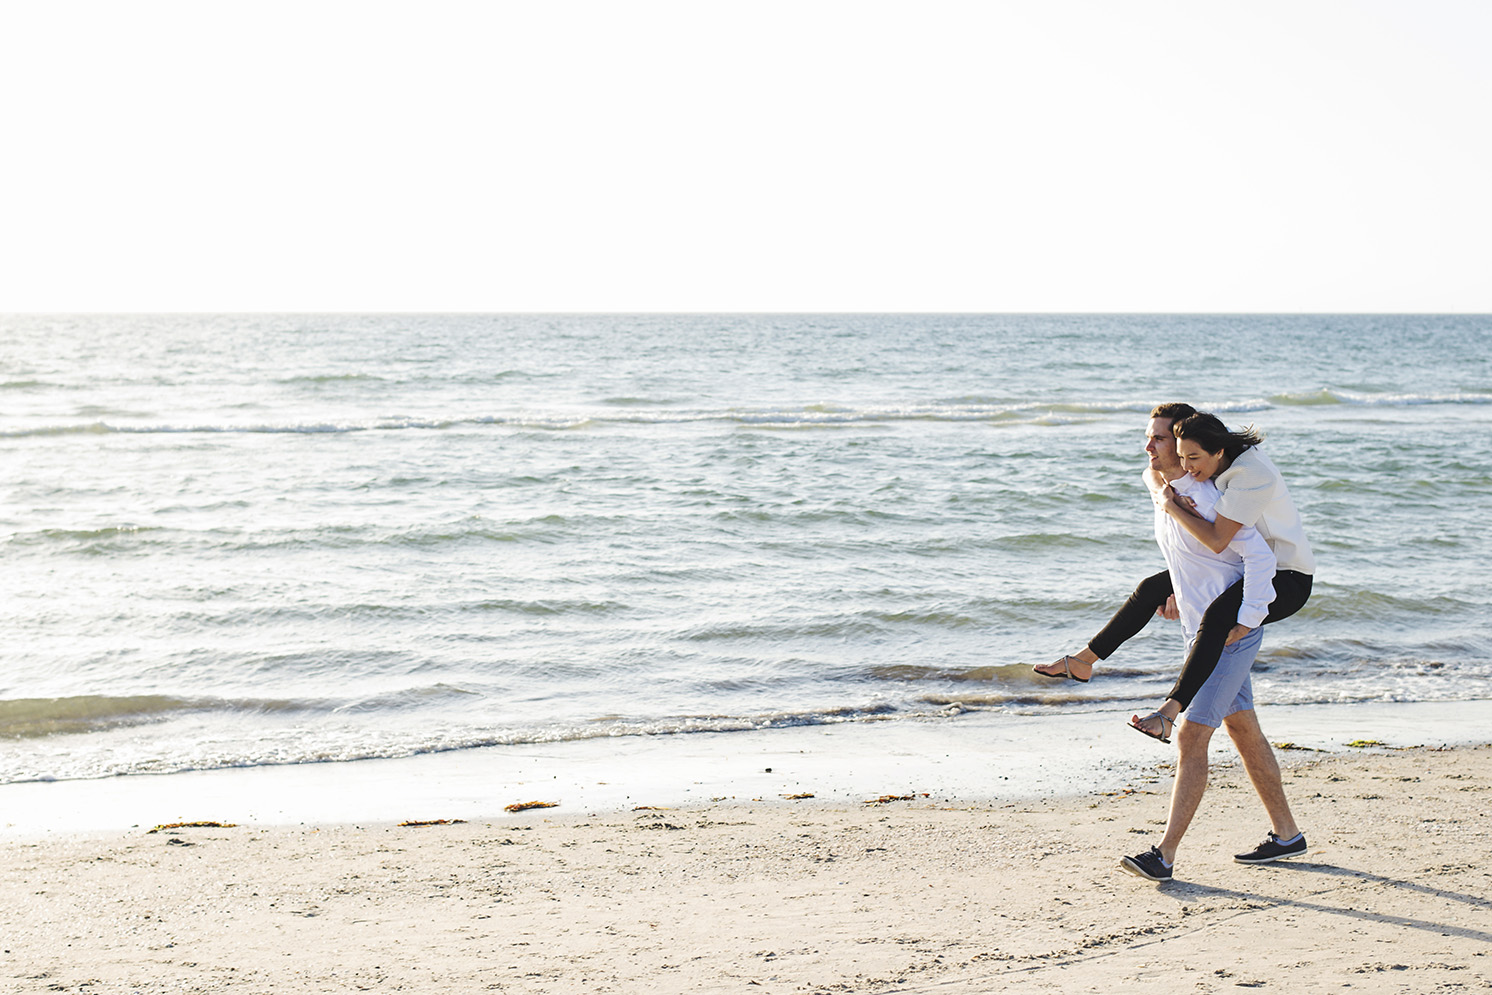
(1167, 725)
(1066, 675)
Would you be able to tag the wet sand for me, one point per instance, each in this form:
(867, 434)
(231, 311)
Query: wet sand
(961, 758)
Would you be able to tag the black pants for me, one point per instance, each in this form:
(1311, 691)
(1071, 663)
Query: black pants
(1291, 589)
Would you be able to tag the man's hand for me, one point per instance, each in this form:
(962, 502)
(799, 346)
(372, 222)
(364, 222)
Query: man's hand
(1236, 633)
(1169, 611)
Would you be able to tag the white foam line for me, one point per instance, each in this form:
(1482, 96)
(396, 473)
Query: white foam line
(807, 416)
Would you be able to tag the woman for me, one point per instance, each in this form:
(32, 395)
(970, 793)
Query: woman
(1253, 494)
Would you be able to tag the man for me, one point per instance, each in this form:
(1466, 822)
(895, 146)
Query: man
(1198, 575)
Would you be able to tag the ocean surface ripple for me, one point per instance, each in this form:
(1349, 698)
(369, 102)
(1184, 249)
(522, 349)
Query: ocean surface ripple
(237, 540)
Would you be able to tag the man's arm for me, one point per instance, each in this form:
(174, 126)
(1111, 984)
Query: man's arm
(1258, 577)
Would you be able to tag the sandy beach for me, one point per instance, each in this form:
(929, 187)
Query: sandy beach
(776, 895)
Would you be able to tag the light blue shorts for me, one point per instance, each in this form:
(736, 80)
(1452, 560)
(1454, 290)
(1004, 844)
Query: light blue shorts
(1229, 689)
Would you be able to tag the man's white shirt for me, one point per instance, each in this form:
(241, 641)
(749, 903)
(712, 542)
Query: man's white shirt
(1198, 575)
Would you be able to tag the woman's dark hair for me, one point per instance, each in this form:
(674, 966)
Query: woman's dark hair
(1211, 434)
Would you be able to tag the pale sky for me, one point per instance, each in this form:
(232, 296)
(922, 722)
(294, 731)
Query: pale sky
(814, 155)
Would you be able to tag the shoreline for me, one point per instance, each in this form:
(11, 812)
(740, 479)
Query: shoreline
(972, 758)
(818, 896)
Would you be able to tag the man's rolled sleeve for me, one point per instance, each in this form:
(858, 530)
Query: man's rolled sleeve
(1258, 576)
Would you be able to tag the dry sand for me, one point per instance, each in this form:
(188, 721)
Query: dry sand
(790, 896)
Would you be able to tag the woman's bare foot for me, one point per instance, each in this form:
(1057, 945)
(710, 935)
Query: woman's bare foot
(1159, 723)
(1155, 725)
(1074, 668)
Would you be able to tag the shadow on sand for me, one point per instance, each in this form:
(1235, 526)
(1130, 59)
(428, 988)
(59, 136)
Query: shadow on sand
(1184, 892)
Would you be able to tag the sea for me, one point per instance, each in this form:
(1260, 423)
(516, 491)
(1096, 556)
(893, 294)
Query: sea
(236, 541)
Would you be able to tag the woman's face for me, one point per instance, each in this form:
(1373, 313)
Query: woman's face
(1197, 461)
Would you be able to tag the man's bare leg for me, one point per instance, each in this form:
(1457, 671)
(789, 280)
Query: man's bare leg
(1191, 783)
(1263, 770)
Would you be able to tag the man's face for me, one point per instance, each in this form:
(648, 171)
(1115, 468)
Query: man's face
(1160, 445)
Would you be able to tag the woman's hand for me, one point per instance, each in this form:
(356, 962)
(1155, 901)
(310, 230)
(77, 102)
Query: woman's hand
(1177, 504)
(1169, 611)
(1236, 633)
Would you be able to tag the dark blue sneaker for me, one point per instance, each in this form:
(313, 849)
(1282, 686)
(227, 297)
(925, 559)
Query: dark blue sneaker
(1149, 865)
(1273, 848)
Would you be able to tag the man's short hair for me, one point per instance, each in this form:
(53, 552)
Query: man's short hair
(1174, 410)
